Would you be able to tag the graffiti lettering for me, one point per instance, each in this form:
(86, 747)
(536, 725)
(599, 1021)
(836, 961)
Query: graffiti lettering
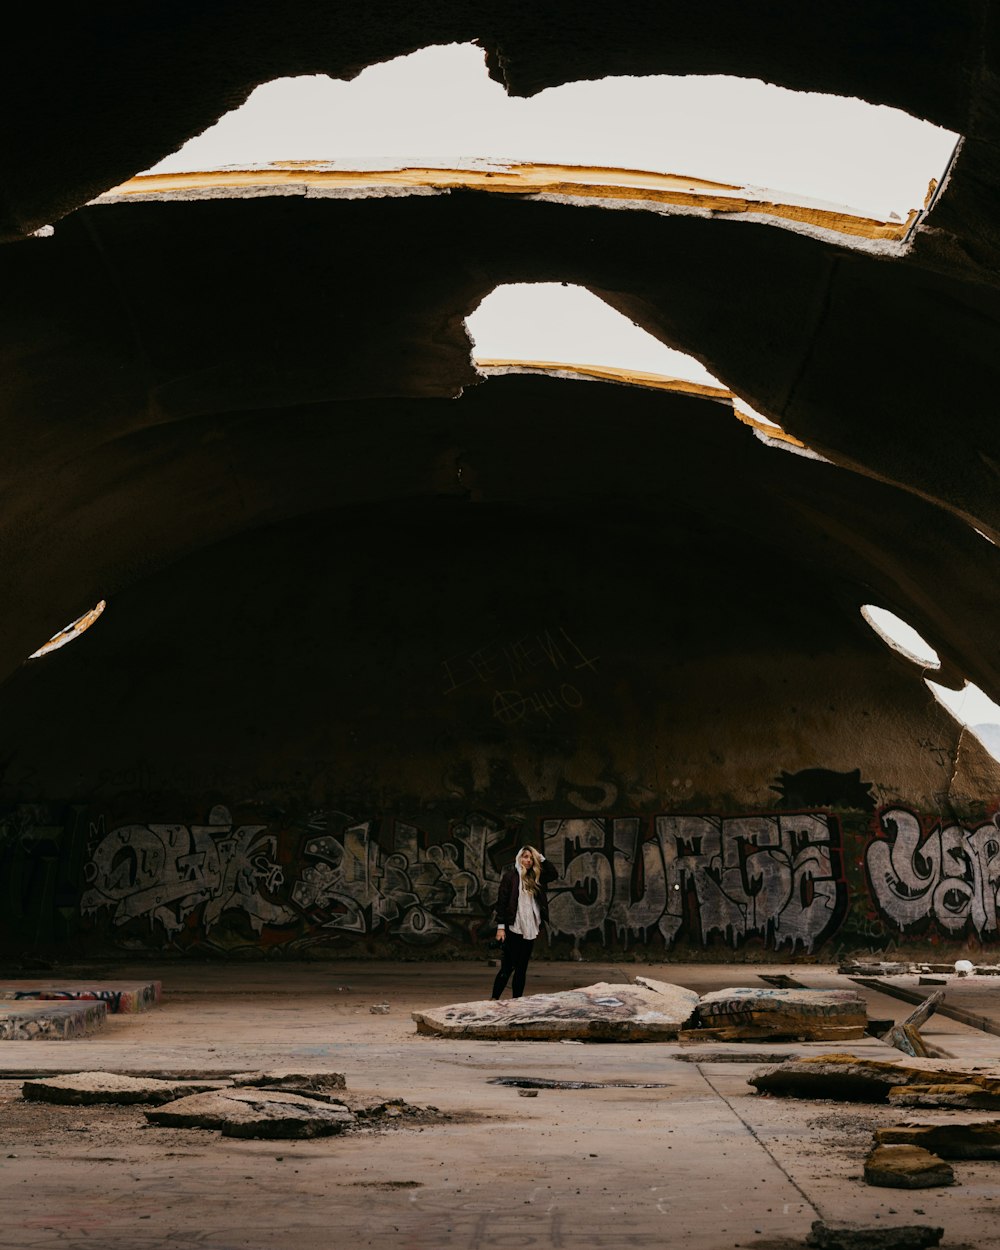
(414, 891)
(948, 874)
(773, 877)
(165, 872)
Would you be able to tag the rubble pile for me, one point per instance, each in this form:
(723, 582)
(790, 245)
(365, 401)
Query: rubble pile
(279, 1104)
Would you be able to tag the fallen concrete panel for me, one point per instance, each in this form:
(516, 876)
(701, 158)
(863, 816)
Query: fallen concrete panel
(88, 1088)
(29, 1022)
(900, 1237)
(907, 1167)
(601, 1012)
(121, 997)
(948, 1141)
(255, 1113)
(767, 1014)
(963, 1097)
(851, 1079)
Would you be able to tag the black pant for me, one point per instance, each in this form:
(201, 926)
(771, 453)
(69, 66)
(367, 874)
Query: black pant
(516, 953)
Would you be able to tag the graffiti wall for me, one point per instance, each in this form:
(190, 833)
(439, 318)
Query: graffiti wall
(698, 880)
(926, 873)
(820, 884)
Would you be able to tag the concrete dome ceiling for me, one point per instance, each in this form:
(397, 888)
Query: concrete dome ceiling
(252, 424)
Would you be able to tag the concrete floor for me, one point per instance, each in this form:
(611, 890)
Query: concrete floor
(704, 1162)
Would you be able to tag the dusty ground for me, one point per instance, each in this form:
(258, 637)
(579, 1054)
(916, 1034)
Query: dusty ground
(703, 1162)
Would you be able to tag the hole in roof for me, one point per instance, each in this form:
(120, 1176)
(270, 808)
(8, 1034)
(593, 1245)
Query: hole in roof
(554, 323)
(439, 108)
(559, 327)
(71, 632)
(901, 637)
(974, 709)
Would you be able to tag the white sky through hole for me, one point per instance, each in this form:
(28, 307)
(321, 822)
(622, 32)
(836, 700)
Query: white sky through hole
(902, 637)
(439, 107)
(550, 321)
(970, 706)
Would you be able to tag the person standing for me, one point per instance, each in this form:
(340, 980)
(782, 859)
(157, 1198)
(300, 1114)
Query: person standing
(522, 908)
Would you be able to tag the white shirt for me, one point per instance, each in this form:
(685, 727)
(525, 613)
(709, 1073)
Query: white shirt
(528, 921)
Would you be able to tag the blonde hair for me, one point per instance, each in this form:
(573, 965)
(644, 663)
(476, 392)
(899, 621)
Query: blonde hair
(529, 876)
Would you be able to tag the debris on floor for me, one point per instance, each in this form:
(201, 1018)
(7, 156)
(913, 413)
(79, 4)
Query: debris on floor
(953, 1140)
(540, 1082)
(89, 1088)
(901, 1237)
(41, 1021)
(601, 1012)
(654, 1010)
(254, 1113)
(768, 1014)
(851, 1079)
(889, 968)
(311, 1083)
(955, 1095)
(277, 1104)
(907, 1167)
(905, 1036)
(121, 997)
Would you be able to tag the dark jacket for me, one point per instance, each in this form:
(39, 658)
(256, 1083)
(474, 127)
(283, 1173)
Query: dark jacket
(509, 888)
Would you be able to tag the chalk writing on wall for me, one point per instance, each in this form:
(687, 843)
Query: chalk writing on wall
(164, 872)
(774, 877)
(533, 676)
(945, 873)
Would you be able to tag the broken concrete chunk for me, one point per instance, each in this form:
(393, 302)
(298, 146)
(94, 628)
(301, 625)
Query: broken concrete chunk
(36, 1021)
(374, 1107)
(766, 1013)
(850, 1079)
(900, 1237)
(86, 1088)
(295, 1082)
(967, 1097)
(255, 1113)
(120, 997)
(603, 1012)
(907, 1167)
(948, 1141)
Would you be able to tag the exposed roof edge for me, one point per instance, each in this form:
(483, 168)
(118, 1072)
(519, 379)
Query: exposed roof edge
(491, 366)
(595, 183)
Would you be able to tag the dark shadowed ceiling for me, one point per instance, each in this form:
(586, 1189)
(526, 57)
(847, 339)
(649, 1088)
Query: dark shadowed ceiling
(252, 423)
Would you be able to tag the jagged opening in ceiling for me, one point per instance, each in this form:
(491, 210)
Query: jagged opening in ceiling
(438, 107)
(974, 709)
(71, 632)
(558, 327)
(970, 706)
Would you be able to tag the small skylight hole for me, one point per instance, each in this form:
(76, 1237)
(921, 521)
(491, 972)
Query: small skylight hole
(901, 637)
(71, 632)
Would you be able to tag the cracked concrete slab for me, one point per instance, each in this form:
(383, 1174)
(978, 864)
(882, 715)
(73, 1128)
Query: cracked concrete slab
(84, 1088)
(255, 1113)
(601, 1012)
